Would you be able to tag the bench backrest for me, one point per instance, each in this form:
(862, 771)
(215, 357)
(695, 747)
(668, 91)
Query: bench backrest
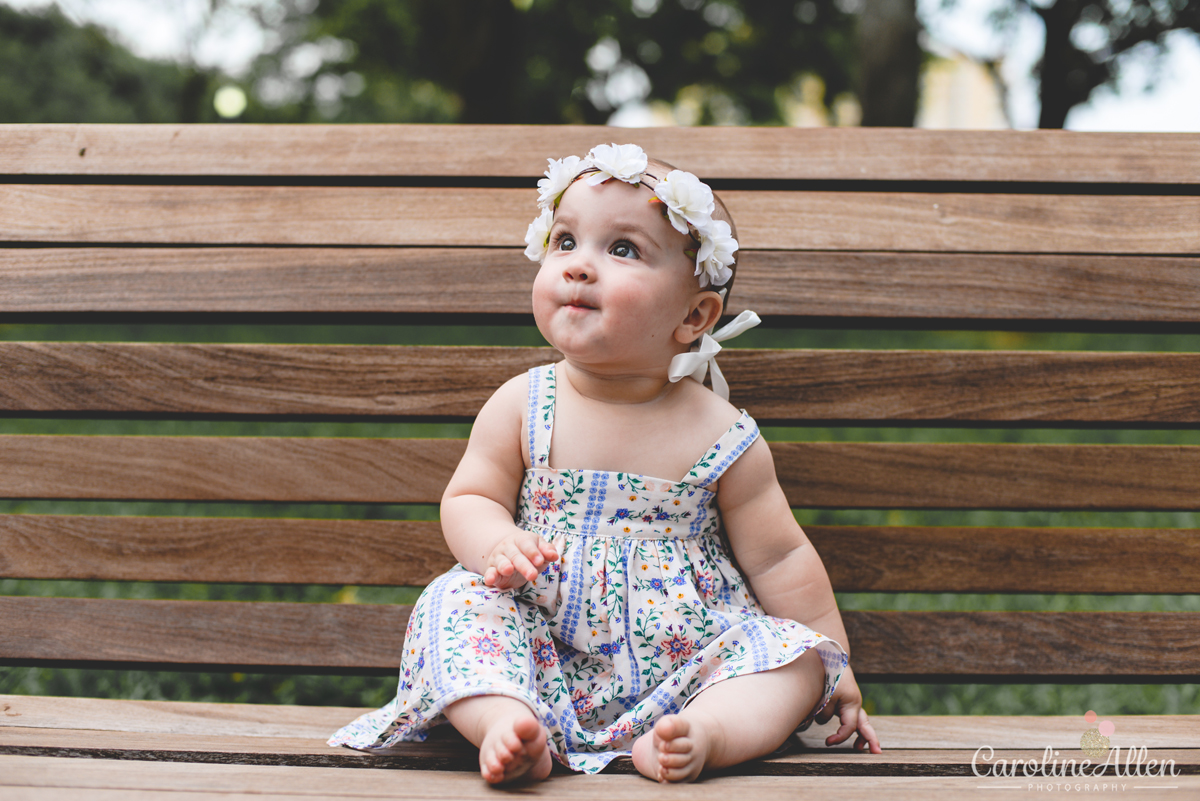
(422, 225)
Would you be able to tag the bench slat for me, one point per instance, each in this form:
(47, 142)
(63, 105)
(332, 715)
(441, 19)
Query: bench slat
(306, 469)
(360, 637)
(497, 281)
(443, 752)
(970, 476)
(216, 549)
(418, 216)
(1029, 560)
(823, 475)
(115, 779)
(914, 744)
(188, 634)
(521, 151)
(201, 723)
(453, 382)
(397, 553)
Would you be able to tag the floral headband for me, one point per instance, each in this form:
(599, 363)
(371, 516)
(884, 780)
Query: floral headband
(688, 200)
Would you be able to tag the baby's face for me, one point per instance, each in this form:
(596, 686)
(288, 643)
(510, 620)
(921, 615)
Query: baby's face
(616, 282)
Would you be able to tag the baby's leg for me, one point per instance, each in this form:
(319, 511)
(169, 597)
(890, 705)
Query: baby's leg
(732, 721)
(511, 742)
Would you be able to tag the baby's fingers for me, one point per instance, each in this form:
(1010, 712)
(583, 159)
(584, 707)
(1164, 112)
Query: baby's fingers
(548, 551)
(520, 563)
(866, 733)
(530, 549)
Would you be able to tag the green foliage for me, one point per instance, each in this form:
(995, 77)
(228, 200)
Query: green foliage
(501, 61)
(52, 70)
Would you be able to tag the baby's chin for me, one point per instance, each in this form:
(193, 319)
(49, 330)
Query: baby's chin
(605, 363)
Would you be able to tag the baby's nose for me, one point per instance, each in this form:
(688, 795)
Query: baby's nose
(578, 272)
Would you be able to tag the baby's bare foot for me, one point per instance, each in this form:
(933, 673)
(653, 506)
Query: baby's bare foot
(513, 748)
(674, 751)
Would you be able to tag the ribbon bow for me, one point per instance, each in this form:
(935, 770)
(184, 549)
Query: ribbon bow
(694, 363)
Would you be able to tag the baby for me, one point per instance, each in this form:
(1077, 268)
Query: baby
(645, 602)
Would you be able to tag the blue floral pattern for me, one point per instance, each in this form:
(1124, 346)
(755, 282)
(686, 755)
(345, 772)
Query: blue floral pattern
(643, 610)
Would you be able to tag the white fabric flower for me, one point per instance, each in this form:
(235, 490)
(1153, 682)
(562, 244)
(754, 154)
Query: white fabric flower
(538, 235)
(715, 258)
(623, 162)
(559, 176)
(688, 200)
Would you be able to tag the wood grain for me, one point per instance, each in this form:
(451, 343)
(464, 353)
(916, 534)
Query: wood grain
(181, 718)
(521, 151)
(498, 281)
(1030, 560)
(467, 281)
(176, 724)
(64, 779)
(366, 552)
(440, 382)
(177, 633)
(821, 475)
(455, 753)
(219, 468)
(1028, 645)
(970, 476)
(941, 286)
(941, 744)
(438, 217)
(240, 550)
(453, 382)
(884, 645)
(872, 386)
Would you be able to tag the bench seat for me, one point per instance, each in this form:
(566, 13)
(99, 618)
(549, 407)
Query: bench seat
(99, 744)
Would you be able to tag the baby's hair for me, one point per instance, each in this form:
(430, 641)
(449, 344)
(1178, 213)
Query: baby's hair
(659, 169)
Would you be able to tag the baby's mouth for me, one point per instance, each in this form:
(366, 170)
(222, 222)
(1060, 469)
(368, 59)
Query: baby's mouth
(580, 304)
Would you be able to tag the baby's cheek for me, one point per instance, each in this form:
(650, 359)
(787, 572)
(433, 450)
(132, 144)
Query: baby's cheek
(543, 298)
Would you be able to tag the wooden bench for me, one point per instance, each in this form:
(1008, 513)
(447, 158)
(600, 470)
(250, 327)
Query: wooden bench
(422, 225)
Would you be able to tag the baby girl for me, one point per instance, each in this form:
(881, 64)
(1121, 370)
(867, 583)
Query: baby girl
(616, 595)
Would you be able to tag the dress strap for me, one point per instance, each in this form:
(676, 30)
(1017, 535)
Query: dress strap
(540, 413)
(724, 452)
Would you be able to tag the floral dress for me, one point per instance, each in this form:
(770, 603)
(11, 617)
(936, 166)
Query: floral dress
(643, 610)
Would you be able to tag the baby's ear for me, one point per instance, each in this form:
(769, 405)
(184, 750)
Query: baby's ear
(704, 314)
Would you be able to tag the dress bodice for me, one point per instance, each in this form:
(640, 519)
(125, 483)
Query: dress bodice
(603, 503)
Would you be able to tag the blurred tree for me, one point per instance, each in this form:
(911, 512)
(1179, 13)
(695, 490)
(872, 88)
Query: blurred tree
(548, 61)
(1086, 38)
(52, 70)
(889, 59)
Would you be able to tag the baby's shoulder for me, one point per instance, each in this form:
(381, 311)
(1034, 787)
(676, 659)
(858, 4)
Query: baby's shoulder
(707, 413)
(507, 403)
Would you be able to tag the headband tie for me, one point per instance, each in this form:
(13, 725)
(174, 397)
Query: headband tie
(695, 362)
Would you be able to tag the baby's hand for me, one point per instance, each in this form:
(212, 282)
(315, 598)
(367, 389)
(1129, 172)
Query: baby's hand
(846, 702)
(517, 558)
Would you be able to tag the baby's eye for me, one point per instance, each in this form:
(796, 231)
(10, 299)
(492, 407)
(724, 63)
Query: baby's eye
(565, 242)
(624, 250)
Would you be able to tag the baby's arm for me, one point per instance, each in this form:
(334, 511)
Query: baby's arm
(785, 571)
(479, 503)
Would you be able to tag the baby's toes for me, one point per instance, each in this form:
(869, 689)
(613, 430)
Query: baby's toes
(529, 733)
(675, 760)
(493, 770)
(671, 727)
(510, 747)
(680, 745)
